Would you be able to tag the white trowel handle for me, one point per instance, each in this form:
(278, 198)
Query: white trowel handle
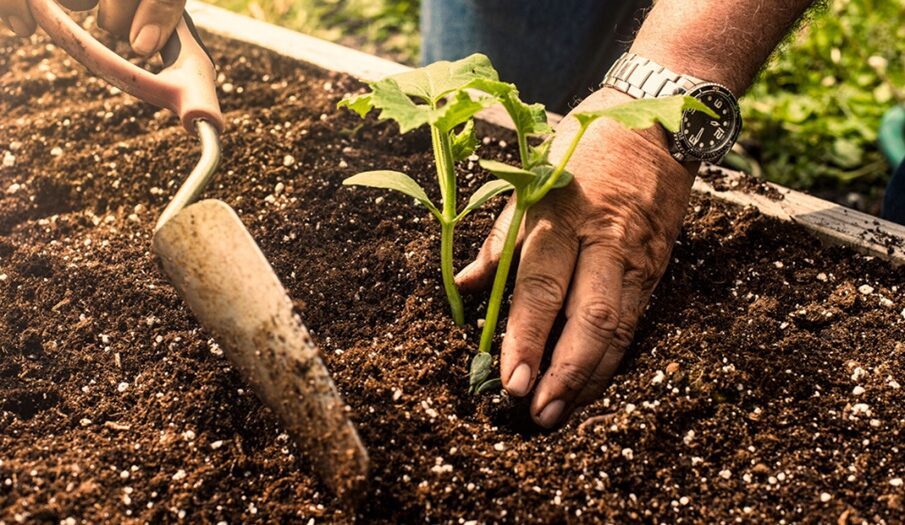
(186, 85)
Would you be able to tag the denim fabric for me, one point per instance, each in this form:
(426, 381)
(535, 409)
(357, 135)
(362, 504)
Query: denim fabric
(894, 201)
(556, 51)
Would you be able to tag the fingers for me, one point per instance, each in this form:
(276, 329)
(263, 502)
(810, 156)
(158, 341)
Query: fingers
(115, 16)
(633, 302)
(79, 5)
(593, 314)
(154, 22)
(478, 275)
(17, 17)
(548, 258)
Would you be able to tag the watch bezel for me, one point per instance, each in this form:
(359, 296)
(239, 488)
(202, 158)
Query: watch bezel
(684, 150)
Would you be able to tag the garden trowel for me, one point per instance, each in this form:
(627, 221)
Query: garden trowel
(217, 267)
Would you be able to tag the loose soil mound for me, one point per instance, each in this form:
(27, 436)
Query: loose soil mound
(764, 383)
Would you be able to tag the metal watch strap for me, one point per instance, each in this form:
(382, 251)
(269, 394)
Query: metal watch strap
(639, 77)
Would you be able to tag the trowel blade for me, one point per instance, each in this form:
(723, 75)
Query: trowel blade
(234, 293)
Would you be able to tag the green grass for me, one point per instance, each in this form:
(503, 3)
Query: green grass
(386, 27)
(811, 118)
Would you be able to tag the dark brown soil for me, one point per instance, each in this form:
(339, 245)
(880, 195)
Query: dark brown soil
(764, 383)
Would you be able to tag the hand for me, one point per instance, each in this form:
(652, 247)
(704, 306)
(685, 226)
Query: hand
(146, 23)
(594, 250)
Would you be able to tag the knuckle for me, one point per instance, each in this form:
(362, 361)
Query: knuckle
(622, 337)
(169, 5)
(541, 290)
(599, 318)
(571, 376)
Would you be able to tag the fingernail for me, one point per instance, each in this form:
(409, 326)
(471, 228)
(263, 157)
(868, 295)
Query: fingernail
(145, 41)
(549, 416)
(18, 26)
(520, 381)
(467, 270)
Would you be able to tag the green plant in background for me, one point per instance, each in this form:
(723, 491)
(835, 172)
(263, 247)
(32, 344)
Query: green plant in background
(385, 27)
(434, 96)
(814, 112)
(537, 176)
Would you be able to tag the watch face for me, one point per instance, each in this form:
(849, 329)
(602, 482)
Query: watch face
(701, 137)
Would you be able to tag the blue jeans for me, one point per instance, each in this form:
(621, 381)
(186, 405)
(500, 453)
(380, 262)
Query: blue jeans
(555, 51)
(894, 202)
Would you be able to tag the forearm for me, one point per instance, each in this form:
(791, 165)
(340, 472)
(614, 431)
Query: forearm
(724, 41)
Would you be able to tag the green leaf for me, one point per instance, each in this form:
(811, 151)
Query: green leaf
(491, 385)
(483, 194)
(540, 154)
(481, 366)
(360, 104)
(529, 119)
(644, 113)
(433, 82)
(518, 177)
(396, 105)
(464, 143)
(393, 180)
(457, 111)
(544, 172)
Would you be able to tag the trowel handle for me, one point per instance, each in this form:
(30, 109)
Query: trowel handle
(186, 85)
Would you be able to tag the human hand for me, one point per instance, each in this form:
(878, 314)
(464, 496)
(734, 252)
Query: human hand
(147, 24)
(594, 250)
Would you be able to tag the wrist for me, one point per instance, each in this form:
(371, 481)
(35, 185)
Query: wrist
(656, 135)
(607, 137)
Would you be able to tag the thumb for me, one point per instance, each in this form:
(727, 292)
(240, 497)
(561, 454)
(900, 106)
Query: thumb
(154, 22)
(479, 274)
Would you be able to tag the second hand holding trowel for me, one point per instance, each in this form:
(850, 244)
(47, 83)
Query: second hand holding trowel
(215, 264)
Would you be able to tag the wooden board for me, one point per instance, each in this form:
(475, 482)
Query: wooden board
(832, 222)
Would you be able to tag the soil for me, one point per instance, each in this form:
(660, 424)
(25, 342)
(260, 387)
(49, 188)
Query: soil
(764, 383)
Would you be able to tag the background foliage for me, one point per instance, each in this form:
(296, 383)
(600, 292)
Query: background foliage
(811, 118)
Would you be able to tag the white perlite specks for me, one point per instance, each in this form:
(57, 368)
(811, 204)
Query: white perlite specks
(866, 289)
(825, 496)
(179, 475)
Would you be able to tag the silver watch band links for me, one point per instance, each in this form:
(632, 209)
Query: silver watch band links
(639, 77)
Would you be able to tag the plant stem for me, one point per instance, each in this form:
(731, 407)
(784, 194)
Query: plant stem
(446, 174)
(449, 277)
(502, 274)
(543, 190)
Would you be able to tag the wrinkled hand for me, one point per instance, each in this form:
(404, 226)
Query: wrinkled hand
(594, 250)
(146, 23)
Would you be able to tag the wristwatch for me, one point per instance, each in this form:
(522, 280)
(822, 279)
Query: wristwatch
(700, 137)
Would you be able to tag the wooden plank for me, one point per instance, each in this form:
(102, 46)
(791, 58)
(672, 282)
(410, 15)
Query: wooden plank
(831, 222)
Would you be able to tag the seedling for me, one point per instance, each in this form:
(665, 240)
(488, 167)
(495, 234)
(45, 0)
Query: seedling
(436, 96)
(537, 176)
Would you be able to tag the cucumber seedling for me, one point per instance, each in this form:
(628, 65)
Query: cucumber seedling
(436, 96)
(537, 176)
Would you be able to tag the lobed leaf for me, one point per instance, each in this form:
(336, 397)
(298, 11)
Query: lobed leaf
(529, 119)
(457, 111)
(465, 142)
(435, 81)
(644, 113)
(360, 104)
(518, 177)
(483, 194)
(540, 154)
(396, 105)
(393, 180)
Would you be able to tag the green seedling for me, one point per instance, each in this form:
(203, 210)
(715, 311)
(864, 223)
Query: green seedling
(435, 96)
(537, 176)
